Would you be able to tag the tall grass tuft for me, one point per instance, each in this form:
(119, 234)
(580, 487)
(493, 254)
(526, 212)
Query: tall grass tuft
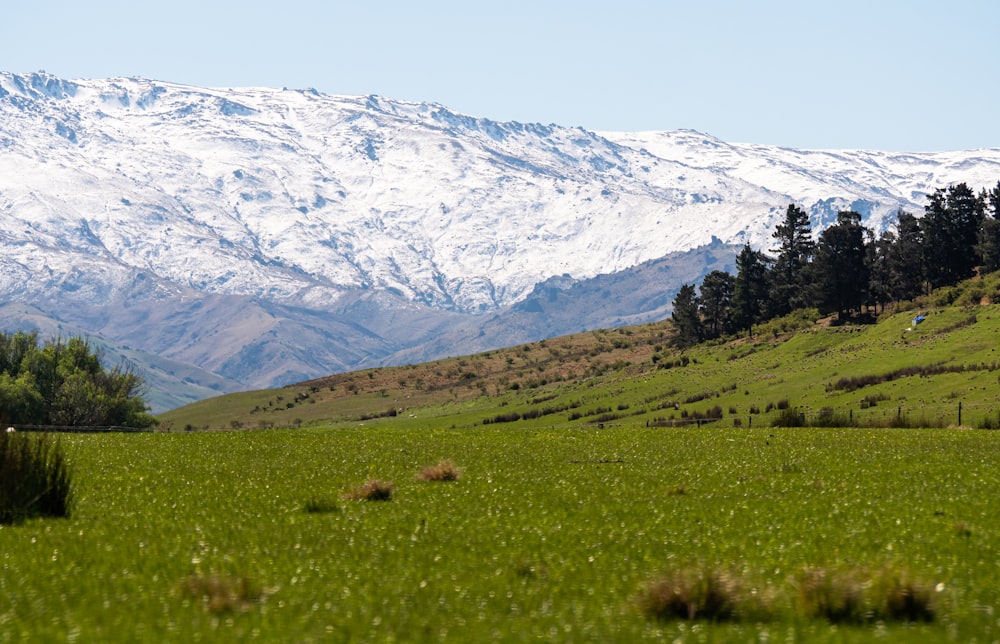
(443, 471)
(864, 596)
(35, 479)
(319, 505)
(902, 598)
(696, 593)
(837, 597)
(373, 490)
(221, 594)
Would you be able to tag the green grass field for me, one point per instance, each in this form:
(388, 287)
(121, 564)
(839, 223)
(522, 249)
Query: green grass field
(549, 534)
(601, 473)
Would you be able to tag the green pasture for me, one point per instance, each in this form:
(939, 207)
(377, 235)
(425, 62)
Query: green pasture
(551, 533)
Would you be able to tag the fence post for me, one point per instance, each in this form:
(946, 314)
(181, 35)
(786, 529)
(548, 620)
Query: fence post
(959, 414)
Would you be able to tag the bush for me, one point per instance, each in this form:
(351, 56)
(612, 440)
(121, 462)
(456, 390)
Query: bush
(35, 479)
(827, 417)
(64, 383)
(789, 418)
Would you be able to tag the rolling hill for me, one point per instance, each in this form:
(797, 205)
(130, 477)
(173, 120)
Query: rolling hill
(942, 371)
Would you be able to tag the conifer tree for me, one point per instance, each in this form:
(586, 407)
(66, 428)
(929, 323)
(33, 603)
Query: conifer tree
(951, 225)
(685, 317)
(841, 267)
(905, 258)
(795, 250)
(750, 289)
(716, 303)
(988, 247)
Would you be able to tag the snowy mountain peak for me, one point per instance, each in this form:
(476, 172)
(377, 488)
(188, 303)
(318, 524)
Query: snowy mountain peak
(131, 190)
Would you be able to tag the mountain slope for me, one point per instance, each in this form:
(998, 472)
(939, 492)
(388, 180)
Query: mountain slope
(267, 235)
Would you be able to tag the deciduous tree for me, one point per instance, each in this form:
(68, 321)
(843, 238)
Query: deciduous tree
(62, 382)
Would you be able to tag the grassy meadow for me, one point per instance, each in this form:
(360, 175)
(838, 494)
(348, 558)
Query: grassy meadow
(605, 487)
(551, 535)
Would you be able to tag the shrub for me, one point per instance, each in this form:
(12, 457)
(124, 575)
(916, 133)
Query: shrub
(503, 418)
(789, 418)
(443, 471)
(35, 479)
(828, 418)
(373, 490)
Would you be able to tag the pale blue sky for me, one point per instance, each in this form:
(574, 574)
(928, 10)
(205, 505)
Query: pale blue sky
(875, 74)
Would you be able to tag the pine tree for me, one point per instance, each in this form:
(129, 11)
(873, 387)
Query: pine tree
(841, 269)
(951, 225)
(988, 246)
(879, 259)
(716, 303)
(750, 289)
(906, 265)
(795, 249)
(993, 200)
(685, 317)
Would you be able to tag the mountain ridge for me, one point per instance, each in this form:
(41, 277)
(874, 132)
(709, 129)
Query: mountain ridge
(317, 233)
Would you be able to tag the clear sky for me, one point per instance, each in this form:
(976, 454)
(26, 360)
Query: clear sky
(899, 75)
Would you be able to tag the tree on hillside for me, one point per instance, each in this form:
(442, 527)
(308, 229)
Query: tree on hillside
(685, 317)
(992, 200)
(795, 249)
(879, 260)
(750, 289)
(951, 224)
(840, 268)
(62, 382)
(716, 303)
(906, 258)
(988, 246)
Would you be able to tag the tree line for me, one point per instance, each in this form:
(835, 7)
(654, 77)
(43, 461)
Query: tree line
(62, 382)
(847, 269)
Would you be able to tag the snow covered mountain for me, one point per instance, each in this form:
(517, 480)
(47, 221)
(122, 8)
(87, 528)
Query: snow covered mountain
(268, 235)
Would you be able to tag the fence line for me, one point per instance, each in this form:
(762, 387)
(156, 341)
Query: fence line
(71, 429)
(984, 416)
